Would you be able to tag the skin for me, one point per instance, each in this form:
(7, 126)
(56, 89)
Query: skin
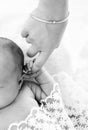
(12, 102)
(44, 38)
(9, 86)
(15, 105)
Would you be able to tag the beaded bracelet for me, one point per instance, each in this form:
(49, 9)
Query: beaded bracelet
(50, 21)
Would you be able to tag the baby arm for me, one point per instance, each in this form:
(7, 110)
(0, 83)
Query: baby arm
(43, 85)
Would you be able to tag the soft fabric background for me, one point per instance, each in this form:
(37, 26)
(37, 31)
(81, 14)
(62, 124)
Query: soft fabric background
(72, 55)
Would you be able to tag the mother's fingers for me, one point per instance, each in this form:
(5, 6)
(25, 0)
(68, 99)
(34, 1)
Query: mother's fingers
(24, 33)
(29, 39)
(40, 60)
(32, 51)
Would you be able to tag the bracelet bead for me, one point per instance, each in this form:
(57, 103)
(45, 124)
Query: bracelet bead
(50, 21)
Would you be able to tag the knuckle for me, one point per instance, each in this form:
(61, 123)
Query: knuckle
(28, 40)
(24, 33)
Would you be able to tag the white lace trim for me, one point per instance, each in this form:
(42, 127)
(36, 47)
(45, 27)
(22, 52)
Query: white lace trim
(50, 116)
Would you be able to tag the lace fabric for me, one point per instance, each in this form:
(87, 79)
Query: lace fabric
(51, 115)
(79, 116)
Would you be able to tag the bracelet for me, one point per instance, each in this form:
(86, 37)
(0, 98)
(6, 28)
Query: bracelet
(50, 21)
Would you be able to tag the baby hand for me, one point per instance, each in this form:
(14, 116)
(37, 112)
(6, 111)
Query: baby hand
(43, 84)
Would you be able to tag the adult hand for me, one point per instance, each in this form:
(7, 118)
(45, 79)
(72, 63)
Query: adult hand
(44, 38)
